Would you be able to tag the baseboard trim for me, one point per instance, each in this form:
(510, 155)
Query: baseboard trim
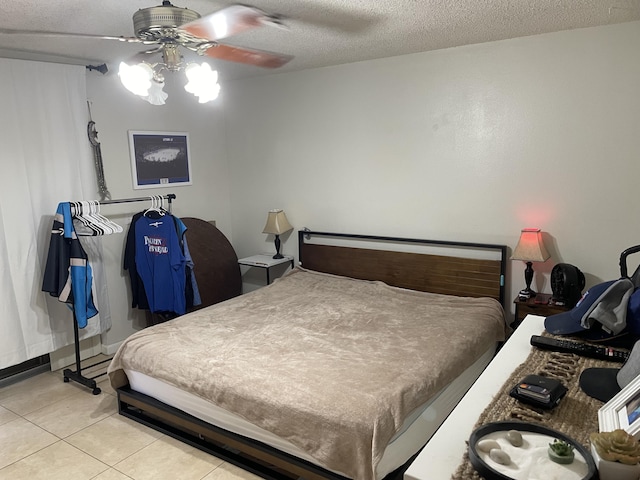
(111, 348)
(65, 356)
(32, 372)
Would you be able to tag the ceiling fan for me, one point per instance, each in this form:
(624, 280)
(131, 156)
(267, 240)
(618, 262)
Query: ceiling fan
(172, 27)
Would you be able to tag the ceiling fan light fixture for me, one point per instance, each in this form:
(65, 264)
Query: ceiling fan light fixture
(156, 95)
(202, 82)
(153, 23)
(147, 81)
(170, 29)
(136, 78)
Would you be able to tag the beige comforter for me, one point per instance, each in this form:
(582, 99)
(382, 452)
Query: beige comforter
(331, 364)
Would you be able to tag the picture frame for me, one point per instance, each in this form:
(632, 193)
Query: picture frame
(159, 159)
(622, 411)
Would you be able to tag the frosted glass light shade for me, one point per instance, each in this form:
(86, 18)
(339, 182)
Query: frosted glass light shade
(202, 82)
(136, 78)
(156, 95)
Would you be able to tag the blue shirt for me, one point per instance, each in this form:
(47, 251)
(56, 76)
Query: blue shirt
(161, 264)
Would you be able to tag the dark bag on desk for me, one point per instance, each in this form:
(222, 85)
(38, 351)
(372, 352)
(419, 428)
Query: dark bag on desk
(539, 391)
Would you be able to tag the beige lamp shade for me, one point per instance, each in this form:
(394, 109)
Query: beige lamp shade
(277, 223)
(530, 247)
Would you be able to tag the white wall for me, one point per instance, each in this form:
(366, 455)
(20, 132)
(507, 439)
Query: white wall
(470, 143)
(116, 111)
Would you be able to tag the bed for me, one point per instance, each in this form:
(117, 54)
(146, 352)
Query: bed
(342, 368)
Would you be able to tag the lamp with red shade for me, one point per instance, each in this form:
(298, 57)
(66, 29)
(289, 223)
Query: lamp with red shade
(530, 248)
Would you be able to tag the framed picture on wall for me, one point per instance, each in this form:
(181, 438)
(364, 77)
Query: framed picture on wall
(159, 159)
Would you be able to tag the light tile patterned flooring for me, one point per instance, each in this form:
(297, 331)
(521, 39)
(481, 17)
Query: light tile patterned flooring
(54, 430)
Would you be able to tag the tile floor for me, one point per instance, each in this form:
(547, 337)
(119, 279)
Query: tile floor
(54, 430)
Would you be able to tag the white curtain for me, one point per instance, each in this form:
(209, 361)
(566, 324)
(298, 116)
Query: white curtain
(45, 158)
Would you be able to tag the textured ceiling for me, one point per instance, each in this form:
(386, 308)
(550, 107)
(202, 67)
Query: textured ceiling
(319, 33)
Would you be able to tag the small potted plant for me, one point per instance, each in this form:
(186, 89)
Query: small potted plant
(616, 454)
(561, 452)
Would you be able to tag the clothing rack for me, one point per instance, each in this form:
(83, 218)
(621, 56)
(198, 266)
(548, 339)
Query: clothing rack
(76, 375)
(169, 197)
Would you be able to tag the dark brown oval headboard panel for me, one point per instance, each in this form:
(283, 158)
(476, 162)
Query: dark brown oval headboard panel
(216, 263)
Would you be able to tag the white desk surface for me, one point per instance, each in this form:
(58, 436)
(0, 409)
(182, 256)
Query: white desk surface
(442, 455)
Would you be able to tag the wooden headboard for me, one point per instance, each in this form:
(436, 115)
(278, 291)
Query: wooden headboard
(428, 272)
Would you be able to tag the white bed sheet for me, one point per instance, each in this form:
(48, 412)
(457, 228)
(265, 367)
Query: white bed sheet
(414, 434)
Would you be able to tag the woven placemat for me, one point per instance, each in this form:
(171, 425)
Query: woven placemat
(575, 416)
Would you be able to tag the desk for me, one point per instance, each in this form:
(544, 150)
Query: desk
(443, 453)
(266, 262)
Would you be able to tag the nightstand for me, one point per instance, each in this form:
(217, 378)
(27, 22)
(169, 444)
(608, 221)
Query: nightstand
(265, 262)
(538, 305)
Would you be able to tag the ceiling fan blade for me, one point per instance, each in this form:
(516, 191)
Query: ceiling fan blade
(229, 21)
(44, 33)
(259, 58)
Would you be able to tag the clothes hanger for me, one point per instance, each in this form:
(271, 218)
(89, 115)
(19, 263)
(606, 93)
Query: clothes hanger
(88, 214)
(103, 221)
(95, 221)
(87, 210)
(156, 202)
(162, 209)
(80, 215)
(116, 227)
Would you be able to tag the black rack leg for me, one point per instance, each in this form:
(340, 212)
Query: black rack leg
(77, 375)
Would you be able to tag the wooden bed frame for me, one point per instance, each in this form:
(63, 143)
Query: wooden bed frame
(449, 275)
(454, 275)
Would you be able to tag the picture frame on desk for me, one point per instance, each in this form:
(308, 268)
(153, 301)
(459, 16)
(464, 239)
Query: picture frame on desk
(622, 411)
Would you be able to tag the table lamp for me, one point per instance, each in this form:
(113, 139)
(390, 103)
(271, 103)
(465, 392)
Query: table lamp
(277, 224)
(530, 248)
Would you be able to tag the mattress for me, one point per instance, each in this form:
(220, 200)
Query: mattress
(332, 365)
(412, 436)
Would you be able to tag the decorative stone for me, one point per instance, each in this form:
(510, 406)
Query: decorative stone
(515, 438)
(487, 445)
(499, 456)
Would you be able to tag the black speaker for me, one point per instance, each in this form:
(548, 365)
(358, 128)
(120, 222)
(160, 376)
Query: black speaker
(567, 282)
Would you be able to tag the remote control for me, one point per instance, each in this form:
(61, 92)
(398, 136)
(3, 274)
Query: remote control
(578, 348)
